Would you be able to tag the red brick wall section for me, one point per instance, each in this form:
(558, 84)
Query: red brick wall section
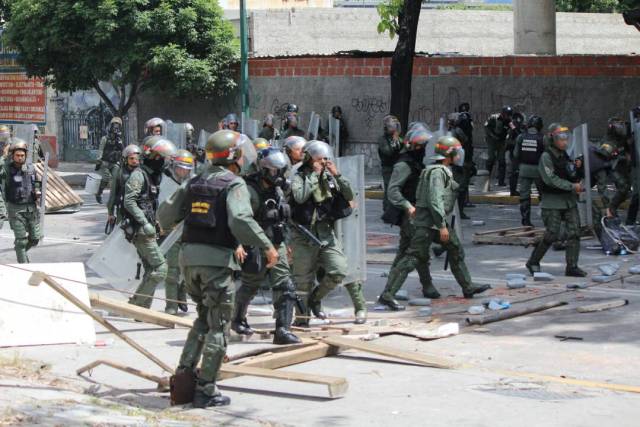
(511, 66)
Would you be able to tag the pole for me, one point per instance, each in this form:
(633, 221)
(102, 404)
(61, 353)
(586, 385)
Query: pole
(244, 59)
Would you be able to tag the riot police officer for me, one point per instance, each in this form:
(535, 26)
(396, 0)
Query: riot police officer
(528, 150)
(336, 113)
(21, 190)
(389, 147)
(109, 154)
(268, 131)
(294, 149)
(519, 127)
(461, 174)
(496, 129)
(321, 195)
(291, 121)
(217, 215)
(140, 204)
(616, 136)
(267, 189)
(231, 122)
(154, 127)
(560, 188)
(130, 161)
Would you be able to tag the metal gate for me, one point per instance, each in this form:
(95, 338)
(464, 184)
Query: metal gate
(82, 131)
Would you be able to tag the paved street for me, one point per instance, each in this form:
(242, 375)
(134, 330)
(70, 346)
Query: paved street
(382, 393)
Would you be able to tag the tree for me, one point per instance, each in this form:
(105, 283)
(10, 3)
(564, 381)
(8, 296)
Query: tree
(400, 17)
(4, 10)
(599, 6)
(183, 47)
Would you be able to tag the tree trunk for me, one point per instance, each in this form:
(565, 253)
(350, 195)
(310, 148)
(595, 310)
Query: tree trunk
(125, 101)
(402, 61)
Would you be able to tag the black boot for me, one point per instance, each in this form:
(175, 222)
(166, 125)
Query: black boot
(239, 323)
(473, 290)
(532, 267)
(525, 212)
(390, 302)
(430, 292)
(315, 304)
(632, 213)
(284, 315)
(575, 271)
(203, 400)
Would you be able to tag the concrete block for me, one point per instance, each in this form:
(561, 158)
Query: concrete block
(609, 269)
(576, 285)
(516, 284)
(634, 269)
(425, 311)
(476, 309)
(601, 279)
(542, 277)
(420, 302)
(515, 276)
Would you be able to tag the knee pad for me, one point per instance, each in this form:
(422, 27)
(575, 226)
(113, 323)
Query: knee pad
(332, 280)
(21, 243)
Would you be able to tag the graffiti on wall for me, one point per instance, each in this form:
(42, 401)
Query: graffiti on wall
(370, 107)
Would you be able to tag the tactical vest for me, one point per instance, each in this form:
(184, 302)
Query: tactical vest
(333, 208)
(21, 185)
(272, 213)
(207, 220)
(125, 173)
(112, 151)
(147, 200)
(424, 190)
(564, 168)
(531, 148)
(388, 161)
(411, 185)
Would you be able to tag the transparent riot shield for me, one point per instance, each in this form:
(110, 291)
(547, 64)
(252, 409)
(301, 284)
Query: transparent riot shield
(249, 126)
(177, 133)
(580, 148)
(116, 260)
(430, 149)
(352, 230)
(334, 135)
(43, 193)
(314, 125)
(202, 138)
(25, 132)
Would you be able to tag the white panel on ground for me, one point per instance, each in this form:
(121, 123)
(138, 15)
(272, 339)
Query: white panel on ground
(38, 315)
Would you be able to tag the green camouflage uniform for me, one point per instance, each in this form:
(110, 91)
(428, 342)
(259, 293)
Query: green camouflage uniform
(528, 175)
(496, 130)
(291, 132)
(23, 214)
(388, 151)
(558, 207)
(208, 272)
(107, 165)
(153, 262)
(436, 197)
(307, 257)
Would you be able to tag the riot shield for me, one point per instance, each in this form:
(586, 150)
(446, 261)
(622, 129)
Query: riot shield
(25, 132)
(177, 133)
(334, 135)
(580, 142)
(116, 260)
(202, 138)
(249, 127)
(314, 125)
(43, 193)
(352, 230)
(430, 149)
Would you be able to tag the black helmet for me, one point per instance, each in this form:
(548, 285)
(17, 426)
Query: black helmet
(518, 118)
(336, 109)
(507, 111)
(292, 108)
(464, 107)
(535, 122)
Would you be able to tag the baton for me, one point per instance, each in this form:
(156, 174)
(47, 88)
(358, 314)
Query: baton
(446, 257)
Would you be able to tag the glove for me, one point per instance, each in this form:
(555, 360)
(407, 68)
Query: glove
(149, 230)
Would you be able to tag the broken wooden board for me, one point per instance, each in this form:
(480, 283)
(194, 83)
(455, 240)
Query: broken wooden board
(606, 305)
(38, 315)
(337, 386)
(515, 236)
(415, 357)
(163, 382)
(140, 313)
(59, 194)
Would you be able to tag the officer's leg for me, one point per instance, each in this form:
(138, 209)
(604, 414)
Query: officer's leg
(632, 213)
(332, 259)
(502, 163)
(458, 266)
(18, 224)
(33, 227)
(525, 200)
(217, 293)
(571, 219)
(416, 254)
(515, 172)
(284, 298)
(623, 187)
(155, 269)
(105, 173)
(303, 267)
(552, 221)
(192, 349)
(250, 283)
(171, 283)
(386, 177)
(406, 231)
(491, 157)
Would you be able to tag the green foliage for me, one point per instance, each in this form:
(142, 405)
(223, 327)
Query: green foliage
(598, 6)
(181, 46)
(4, 10)
(389, 11)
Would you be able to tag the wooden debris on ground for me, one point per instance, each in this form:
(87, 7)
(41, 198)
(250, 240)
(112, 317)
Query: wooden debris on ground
(514, 236)
(59, 194)
(606, 305)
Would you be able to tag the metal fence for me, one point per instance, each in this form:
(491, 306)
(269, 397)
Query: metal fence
(82, 131)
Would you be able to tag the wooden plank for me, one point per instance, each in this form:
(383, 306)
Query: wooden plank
(288, 358)
(337, 385)
(503, 230)
(38, 277)
(606, 305)
(368, 347)
(571, 381)
(163, 382)
(139, 313)
(59, 194)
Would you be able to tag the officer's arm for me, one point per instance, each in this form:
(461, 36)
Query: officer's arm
(436, 198)
(3, 207)
(548, 174)
(241, 221)
(489, 128)
(518, 147)
(303, 187)
(112, 190)
(384, 148)
(173, 210)
(132, 190)
(103, 142)
(400, 175)
(345, 187)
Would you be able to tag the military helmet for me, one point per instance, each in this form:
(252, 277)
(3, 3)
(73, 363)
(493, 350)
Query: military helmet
(293, 142)
(292, 108)
(606, 150)
(117, 120)
(417, 136)
(447, 146)
(507, 111)
(454, 119)
(223, 147)
(268, 120)
(183, 159)
(130, 150)
(230, 118)
(188, 127)
(157, 147)
(152, 123)
(273, 164)
(519, 118)
(391, 123)
(260, 144)
(464, 107)
(5, 133)
(317, 150)
(535, 122)
(559, 132)
(18, 144)
(336, 109)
